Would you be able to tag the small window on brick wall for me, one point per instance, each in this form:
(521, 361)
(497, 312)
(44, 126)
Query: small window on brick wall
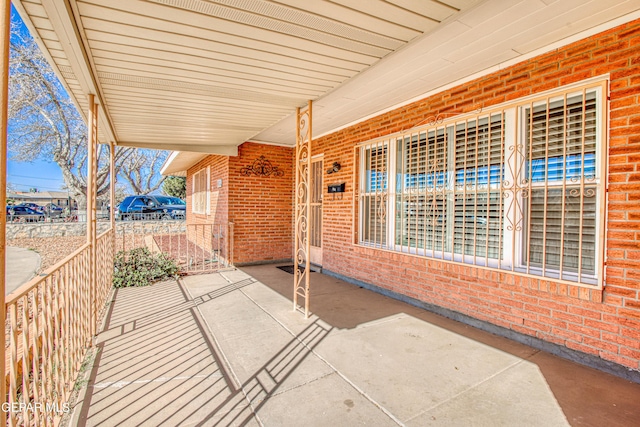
(519, 188)
(200, 197)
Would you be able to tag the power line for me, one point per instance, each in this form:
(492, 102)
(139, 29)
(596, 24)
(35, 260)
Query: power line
(35, 177)
(15, 184)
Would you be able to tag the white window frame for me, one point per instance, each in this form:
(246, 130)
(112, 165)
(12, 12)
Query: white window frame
(514, 159)
(197, 198)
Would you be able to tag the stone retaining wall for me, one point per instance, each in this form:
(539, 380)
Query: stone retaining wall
(55, 229)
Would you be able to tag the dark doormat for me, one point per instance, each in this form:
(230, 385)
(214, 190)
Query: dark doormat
(289, 268)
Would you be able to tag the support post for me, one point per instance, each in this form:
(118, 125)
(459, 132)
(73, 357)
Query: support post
(5, 29)
(302, 200)
(92, 171)
(112, 195)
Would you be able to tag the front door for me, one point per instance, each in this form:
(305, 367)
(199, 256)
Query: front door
(315, 215)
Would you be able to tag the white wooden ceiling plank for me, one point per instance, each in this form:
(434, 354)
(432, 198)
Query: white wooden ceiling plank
(47, 34)
(272, 17)
(204, 65)
(551, 26)
(391, 13)
(155, 49)
(215, 116)
(201, 27)
(303, 19)
(354, 18)
(494, 14)
(463, 4)
(195, 109)
(169, 124)
(35, 9)
(60, 58)
(170, 97)
(549, 23)
(250, 86)
(183, 88)
(201, 77)
(191, 106)
(284, 57)
(142, 110)
(231, 137)
(42, 22)
(438, 10)
(438, 44)
(52, 44)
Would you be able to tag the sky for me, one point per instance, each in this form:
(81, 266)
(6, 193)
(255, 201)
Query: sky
(42, 174)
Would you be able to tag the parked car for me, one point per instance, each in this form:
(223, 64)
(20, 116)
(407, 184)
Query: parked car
(53, 210)
(174, 205)
(149, 208)
(20, 213)
(30, 205)
(170, 200)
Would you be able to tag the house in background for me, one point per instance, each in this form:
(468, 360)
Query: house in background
(507, 199)
(42, 198)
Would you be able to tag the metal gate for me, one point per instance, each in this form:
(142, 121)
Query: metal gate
(196, 248)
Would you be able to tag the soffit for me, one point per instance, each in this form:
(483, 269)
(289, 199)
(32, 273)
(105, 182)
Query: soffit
(195, 75)
(205, 76)
(489, 37)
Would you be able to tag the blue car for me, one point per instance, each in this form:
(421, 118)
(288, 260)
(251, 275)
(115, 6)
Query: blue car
(147, 207)
(23, 214)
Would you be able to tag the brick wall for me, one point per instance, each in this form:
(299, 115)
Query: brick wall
(261, 207)
(601, 323)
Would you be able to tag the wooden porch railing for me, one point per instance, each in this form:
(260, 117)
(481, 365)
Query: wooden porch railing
(48, 332)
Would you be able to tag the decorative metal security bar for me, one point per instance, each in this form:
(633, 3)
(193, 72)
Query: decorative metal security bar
(517, 188)
(302, 200)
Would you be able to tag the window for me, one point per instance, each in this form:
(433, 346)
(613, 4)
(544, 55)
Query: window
(518, 188)
(200, 194)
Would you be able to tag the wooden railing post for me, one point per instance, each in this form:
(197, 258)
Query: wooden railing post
(92, 171)
(5, 25)
(112, 195)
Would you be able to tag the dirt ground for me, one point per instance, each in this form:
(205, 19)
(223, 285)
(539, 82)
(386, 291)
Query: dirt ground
(51, 249)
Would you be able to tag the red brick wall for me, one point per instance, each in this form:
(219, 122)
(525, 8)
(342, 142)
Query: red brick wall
(602, 323)
(261, 207)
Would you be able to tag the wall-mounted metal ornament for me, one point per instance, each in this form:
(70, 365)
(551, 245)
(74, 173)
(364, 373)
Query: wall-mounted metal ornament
(261, 167)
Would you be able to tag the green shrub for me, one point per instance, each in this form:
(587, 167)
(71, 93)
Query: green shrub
(139, 267)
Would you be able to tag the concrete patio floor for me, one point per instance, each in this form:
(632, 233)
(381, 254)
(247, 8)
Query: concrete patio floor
(227, 349)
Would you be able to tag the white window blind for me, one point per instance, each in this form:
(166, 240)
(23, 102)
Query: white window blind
(200, 194)
(517, 188)
(373, 203)
(560, 138)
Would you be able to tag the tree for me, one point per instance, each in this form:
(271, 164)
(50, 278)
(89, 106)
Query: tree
(175, 186)
(44, 123)
(142, 168)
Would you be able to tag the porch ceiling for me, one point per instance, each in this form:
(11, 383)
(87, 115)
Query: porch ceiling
(204, 76)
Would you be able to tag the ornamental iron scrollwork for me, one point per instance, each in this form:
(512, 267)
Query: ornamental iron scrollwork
(303, 182)
(261, 167)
